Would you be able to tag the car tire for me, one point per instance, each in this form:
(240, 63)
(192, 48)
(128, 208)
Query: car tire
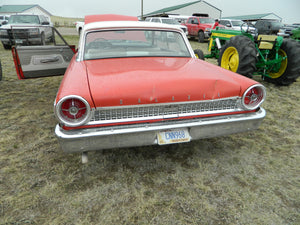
(51, 39)
(201, 37)
(43, 41)
(6, 46)
(199, 54)
(239, 55)
(289, 69)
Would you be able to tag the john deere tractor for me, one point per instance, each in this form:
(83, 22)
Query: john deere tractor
(247, 53)
(296, 34)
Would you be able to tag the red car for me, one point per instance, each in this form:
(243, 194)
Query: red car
(135, 83)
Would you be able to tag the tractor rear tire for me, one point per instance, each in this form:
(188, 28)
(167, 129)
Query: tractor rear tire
(239, 55)
(290, 68)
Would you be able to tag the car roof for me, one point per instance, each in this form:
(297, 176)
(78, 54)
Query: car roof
(168, 18)
(108, 17)
(231, 19)
(128, 24)
(202, 17)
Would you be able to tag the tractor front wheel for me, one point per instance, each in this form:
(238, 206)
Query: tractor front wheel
(239, 55)
(289, 69)
(199, 54)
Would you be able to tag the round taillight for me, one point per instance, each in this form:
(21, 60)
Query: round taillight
(73, 111)
(254, 96)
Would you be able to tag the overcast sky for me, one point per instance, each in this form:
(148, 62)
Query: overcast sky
(289, 10)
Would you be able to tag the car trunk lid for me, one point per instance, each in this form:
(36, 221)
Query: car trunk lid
(133, 81)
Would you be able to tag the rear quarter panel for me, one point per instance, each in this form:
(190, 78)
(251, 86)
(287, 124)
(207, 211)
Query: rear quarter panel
(75, 82)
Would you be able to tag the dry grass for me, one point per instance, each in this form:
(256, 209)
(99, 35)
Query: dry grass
(249, 178)
(64, 21)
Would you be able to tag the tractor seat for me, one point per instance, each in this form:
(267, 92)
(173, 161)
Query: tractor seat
(266, 41)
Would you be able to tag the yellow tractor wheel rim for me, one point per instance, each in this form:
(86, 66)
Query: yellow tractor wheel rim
(230, 59)
(283, 65)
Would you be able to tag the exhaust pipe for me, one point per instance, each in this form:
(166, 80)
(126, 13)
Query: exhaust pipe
(84, 158)
(218, 43)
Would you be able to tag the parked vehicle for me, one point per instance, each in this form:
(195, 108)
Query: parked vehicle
(274, 58)
(23, 29)
(179, 18)
(137, 83)
(199, 27)
(287, 30)
(268, 26)
(233, 24)
(167, 20)
(3, 18)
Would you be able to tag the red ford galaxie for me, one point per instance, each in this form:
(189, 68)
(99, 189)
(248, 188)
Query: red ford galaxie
(135, 83)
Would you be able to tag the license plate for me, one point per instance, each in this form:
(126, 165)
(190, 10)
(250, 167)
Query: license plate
(173, 136)
(18, 41)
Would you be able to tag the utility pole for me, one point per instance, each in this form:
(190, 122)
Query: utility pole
(142, 8)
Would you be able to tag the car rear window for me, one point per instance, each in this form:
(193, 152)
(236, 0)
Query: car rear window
(134, 43)
(236, 23)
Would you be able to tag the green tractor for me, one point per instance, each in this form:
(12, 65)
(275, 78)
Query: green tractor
(247, 53)
(296, 34)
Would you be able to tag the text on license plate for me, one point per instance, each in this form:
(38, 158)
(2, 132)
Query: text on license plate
(173, 136)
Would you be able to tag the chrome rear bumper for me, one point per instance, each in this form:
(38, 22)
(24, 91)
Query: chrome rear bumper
(146, 134)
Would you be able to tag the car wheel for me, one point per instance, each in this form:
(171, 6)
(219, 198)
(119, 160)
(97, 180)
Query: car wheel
(201, 37)
(239, 55)
(43, 42)
(6, 46)
(289, 69)
(199, 54)
(0, 71)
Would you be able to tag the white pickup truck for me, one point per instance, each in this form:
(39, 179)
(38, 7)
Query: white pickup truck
(26, 29)
(79, 26)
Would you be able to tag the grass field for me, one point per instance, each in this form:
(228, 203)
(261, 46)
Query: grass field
(247, 178)
(64, 21)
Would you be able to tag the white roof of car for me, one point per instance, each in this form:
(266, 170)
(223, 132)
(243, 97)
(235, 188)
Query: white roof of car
(127, 24)
(167, 18)
(232, 19)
